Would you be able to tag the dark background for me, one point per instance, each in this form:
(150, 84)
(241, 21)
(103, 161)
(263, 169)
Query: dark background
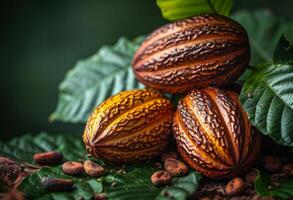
(41, 40)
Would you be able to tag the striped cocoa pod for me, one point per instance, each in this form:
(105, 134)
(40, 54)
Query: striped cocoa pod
(129, 126)
(206, 50)
(213, 133)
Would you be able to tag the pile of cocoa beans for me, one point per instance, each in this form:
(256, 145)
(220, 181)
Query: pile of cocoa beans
(88, 167)
(243, 187)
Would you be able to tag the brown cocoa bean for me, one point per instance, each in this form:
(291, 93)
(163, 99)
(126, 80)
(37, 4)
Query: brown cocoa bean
(73, 168)
(56, 184)
(167, 155)
(277, 179)
(48, 158)
(272, 164)
(288, 169)
(175, 167)
(250, 176)
(93, 169)
(101, 196)
(160, 178)
(235, 187)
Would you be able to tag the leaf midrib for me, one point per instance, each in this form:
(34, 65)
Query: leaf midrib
(273, 90)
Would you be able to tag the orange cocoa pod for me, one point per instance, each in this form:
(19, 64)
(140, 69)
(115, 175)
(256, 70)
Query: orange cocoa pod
(201, 51)
(213, 133)
(129, 126)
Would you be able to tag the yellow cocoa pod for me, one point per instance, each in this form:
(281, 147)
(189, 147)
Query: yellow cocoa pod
(129, 126)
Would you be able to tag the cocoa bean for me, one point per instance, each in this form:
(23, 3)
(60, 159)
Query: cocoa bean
(272, 164)
(277, 179)
(160, 178)
(101, 196)
(175, 167)
(167, 155)
(288, 169)
(93, 169)
(250, 176)
(73, 168)
(235, 187)
(56, 184)
(48, 158)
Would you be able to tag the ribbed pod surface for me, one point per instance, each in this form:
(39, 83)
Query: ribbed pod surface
(213, 133)
(206, 50)
(130, 126)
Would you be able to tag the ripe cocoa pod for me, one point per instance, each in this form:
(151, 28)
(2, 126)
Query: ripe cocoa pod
(213, 133)
(129, 126)
(201, 51)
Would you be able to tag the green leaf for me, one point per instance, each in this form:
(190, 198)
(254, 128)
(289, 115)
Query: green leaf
(284, 51)
(264, 30)
(84, 187)
(180, 9)
(23, 148)
(264, 187)
(136, 184)
(267, 97)
(94, 79)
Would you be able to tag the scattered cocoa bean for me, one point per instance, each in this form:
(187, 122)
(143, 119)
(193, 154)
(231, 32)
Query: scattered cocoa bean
(158, 165)
(73, 168)
(167, 155)
(101, 196)
(272, 164)
(235, 187)
(277, 179)
(13, 194)
(206, 198)
(93, 169)
(288, 169)
(160, 178)
(48, 158)
(56, 184)
(175, 167)
(217, 197)
(250, 176)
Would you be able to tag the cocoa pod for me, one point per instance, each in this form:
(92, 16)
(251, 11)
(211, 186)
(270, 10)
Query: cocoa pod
(213, 133)
(201, 51)
(160, 178)
(129, 126)
(56, 184)
(93, 169)
(48, 158)
(72, 168)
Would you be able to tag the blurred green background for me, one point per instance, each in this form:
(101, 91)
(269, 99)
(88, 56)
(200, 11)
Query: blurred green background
(41, 40)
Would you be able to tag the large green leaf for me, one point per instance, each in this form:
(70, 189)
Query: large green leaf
(284, 51)
(83, 188)
(267, 97)
(137, 185)
(179, 9)
(134, 184)
(264, 187)
(264, 30)
(94, 79)
(23, 148)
